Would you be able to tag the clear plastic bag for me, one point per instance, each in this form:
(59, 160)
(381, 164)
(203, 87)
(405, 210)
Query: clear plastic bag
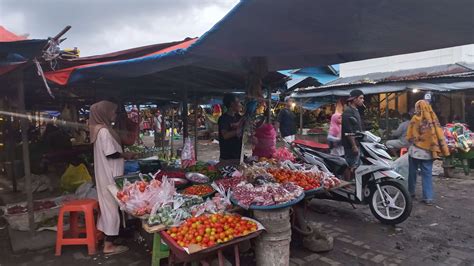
(188, 157)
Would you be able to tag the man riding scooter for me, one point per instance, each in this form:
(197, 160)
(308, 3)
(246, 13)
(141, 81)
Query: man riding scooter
(351, 124)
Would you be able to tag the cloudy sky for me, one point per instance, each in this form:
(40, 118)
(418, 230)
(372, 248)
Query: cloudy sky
(102, 26)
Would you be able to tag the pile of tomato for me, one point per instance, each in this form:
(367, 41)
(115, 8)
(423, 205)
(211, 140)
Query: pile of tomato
(198, 190)
(209, 230)
(303, 180)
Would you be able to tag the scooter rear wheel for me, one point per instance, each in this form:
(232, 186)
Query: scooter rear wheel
(395, 205)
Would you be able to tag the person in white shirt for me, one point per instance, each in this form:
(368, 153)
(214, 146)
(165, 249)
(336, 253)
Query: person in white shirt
(157, 126)
(108, 163)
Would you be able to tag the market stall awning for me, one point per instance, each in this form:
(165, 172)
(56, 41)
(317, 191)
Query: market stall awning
(301, 33)
(8, 36)
(16, 50)
(129, 63)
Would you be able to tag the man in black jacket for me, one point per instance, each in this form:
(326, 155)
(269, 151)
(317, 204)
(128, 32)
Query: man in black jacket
(286, 121)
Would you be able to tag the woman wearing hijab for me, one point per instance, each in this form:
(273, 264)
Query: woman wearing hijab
(334, 135)
(108, 163)
(427, 144)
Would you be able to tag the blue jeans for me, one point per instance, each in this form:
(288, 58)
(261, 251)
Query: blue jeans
(426, 167)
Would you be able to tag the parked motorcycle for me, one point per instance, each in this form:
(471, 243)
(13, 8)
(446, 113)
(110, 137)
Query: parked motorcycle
(376, 183)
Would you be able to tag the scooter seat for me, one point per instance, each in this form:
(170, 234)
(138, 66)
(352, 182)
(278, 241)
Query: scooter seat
(339, 161)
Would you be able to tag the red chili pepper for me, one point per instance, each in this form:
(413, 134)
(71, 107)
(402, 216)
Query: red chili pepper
(199, 190)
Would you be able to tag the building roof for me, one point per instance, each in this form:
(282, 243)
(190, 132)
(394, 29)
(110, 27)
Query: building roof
(404, 75)
(438, 78)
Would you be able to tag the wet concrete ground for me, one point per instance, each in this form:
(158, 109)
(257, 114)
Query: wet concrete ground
(442, 234)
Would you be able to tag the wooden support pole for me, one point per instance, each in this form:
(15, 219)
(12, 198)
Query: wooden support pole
(463, 106)
(172, 132)
(26, 152)
(396, 101)
(379, 109)
(257, 68)
(450, 119)
(269, 109)
(163, 132)
(196, 123)
(184, 115)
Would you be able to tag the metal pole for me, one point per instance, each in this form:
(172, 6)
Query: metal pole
(26, 153)
(450, 107)
(301, 117)
(386, 113)
(269, 111)
(196, 126)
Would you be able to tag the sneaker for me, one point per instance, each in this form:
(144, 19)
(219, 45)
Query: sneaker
(429, 202)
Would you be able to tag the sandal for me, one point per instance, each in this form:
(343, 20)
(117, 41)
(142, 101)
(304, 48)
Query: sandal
(117, 250)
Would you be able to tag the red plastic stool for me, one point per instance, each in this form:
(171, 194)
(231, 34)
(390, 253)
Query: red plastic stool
(403, 151)
(87, 207)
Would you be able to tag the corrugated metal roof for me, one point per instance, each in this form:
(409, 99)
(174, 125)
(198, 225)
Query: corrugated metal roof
(451, 70)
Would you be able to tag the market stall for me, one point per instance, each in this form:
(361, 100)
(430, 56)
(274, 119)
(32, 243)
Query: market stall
(460, 142)
(200, 210)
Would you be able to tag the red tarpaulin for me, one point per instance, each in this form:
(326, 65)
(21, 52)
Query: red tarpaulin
(7, 36)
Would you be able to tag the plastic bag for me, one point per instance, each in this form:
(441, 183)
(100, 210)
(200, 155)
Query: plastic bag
(266, 141)
(140, 197)
(74, 176)
(86, 191)
(401, 165)
(283, 154)
(188, 157)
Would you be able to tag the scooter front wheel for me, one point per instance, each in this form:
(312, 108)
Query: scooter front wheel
(390, 202)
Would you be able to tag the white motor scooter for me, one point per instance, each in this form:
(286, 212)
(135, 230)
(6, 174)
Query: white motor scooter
(376, 183)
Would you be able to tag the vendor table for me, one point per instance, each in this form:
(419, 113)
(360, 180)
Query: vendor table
(464, 157)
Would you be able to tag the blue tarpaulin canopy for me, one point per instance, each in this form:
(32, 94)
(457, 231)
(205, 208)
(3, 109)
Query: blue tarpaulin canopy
(301, 33)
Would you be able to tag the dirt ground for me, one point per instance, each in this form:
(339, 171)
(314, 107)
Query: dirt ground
(442, 234)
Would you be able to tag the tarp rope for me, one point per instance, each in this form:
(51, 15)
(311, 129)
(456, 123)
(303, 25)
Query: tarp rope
(41, 74)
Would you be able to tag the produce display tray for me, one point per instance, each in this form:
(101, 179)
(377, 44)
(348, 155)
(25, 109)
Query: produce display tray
(272, 207)
(186, 255)
(19, 221)
(205, 196)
